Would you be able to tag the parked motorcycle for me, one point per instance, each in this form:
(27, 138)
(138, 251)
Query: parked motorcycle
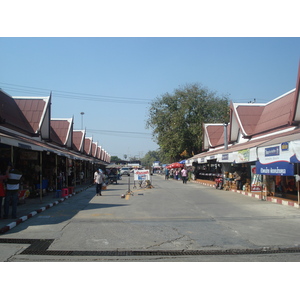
(219, 182)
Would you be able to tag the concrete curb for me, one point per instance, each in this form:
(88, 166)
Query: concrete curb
(249, 194)
(37, 211)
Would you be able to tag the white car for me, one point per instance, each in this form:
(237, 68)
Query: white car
(125, 171)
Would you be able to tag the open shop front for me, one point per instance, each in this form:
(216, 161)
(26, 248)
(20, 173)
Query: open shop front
(279, 166)
(238, 170)
(207, 168)
(45, 169)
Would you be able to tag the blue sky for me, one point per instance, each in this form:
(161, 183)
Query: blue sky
(113, 80)
(111, 59)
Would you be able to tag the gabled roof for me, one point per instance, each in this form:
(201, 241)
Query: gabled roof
(88, 145)
(253, 119)
(37, 112)
(98, 152)
(78, 140)
(61, 131)
(12, 117)
(213, 135)
(94, 149)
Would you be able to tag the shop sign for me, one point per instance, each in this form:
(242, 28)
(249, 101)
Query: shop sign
(285, 146)
(202, 160)
(277, 153)
(272, 151)
(243, 156)
(256, 180)
(225, 156)
(281, 168)
(141, 175)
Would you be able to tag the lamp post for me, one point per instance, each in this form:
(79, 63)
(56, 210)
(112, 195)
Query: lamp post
(82, 113)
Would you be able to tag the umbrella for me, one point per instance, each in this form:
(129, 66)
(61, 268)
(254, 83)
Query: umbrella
(176, 165)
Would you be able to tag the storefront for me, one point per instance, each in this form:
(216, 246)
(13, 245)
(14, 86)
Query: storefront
(278, 164)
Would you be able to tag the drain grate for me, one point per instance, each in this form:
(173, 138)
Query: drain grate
(40, 247)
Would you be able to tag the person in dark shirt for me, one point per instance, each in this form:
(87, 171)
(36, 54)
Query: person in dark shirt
(12, 190)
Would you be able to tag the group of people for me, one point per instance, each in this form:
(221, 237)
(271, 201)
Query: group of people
(183, 173)
(9, 188)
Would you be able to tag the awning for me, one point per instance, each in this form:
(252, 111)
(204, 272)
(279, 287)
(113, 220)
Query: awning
(19, 142)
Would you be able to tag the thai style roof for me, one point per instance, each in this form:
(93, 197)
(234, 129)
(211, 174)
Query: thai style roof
(88, 145)
(253, 119)
(78, 140)
(61, 131)
(254, 123)
(213, 135)
(12, 117)
(26, 122)
(37, 112)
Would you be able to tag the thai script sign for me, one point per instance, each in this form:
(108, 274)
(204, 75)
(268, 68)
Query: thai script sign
(141, 175)
(277, 168)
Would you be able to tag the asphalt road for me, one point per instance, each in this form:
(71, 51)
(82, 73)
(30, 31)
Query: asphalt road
(170, 222)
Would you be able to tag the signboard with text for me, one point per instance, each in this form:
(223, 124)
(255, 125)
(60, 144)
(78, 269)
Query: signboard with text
(141, 175)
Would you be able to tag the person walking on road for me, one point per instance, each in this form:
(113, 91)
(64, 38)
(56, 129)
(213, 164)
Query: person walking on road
(98, 180)
(184, 175)
(167, 172)
(12, 190)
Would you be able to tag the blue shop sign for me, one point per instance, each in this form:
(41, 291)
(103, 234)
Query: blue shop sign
(281, 168)
(272, 151)
(225, 156)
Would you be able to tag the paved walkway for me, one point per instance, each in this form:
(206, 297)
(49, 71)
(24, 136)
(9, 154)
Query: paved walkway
(34, 206)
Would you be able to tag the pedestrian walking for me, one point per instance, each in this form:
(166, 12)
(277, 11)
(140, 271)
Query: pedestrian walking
(12, 189)
(98, 180)
(167, 172)
(184, 175)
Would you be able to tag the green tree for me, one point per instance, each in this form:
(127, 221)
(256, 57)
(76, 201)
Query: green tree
(177, 119)
(115, 159)
(150, 158)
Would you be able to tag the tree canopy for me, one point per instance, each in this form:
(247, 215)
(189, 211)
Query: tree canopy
(177, 119)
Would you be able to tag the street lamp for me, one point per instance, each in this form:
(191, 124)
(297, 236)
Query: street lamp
(82, 113)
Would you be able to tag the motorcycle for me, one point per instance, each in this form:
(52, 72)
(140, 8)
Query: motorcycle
(219, 182)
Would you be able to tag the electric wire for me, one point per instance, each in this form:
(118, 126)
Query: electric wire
(72, 95)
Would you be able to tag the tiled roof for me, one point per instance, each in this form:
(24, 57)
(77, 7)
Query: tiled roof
(257, 118)
(11, 115)
(87, 145)
(61, 128)
(33, 110)
(78, 140)
(215, 134)
(94, 149)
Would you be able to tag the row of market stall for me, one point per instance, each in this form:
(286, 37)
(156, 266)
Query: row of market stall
(50, 154)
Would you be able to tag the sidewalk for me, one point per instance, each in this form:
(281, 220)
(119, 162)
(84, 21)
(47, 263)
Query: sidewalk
(258, 195)
(34, 206)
